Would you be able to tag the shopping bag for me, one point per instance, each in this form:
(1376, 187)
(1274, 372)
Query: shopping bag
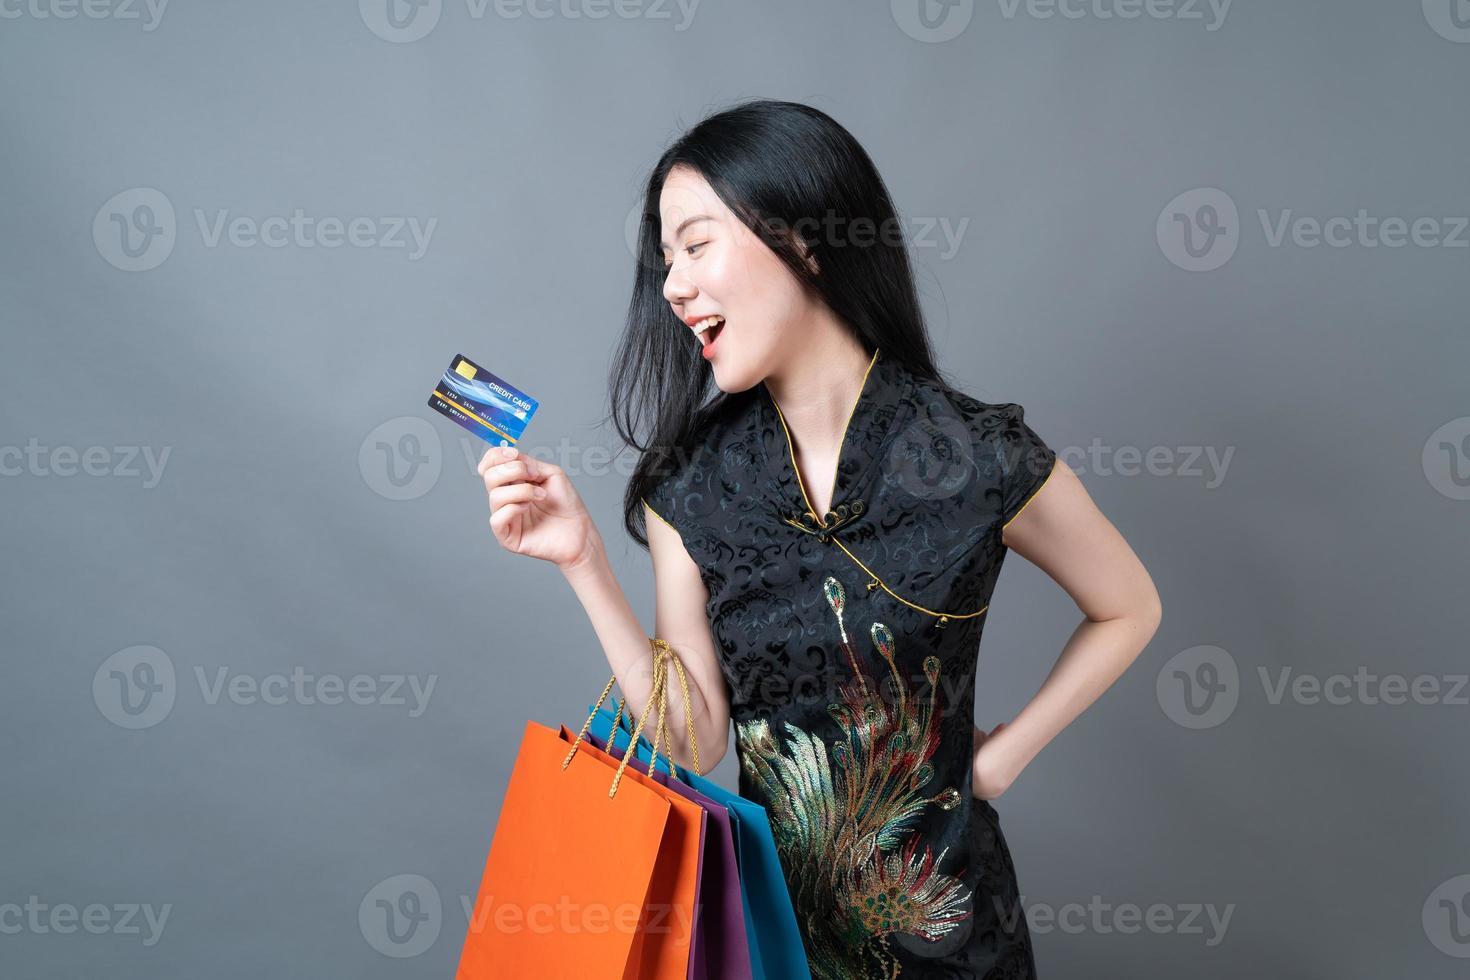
(556, 825)
(668, 937)
(722, 945)
(776, 949)
(665, 946)
(550, 903)
(774, 941)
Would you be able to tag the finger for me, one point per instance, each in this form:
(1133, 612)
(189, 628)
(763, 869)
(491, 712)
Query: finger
(516, 471)
(492, 456)
(504, 519)
(515, 493)
(496, 454)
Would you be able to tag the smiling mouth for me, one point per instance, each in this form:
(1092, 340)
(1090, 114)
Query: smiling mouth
(708, 329)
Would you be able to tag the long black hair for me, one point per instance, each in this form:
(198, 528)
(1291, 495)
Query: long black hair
(785, 169)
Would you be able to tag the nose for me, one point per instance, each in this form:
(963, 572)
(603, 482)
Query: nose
(678, 288)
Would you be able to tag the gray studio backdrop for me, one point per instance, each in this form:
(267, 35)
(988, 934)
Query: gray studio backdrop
(266, 669)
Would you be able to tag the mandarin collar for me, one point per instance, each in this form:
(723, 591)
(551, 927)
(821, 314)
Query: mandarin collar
(883, 404)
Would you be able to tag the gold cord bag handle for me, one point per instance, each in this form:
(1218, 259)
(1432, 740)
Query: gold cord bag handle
(678, 665)
(617, 723)
(662, 656)
(660, 730)
(659, 696)
(588, 724)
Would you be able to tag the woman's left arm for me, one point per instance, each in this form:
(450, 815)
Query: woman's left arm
(1061, 531)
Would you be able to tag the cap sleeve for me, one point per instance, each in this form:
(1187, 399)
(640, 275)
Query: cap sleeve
(661, 500)
(1026, 460)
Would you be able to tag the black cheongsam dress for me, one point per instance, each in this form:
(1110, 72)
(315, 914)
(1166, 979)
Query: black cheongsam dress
(848, 647)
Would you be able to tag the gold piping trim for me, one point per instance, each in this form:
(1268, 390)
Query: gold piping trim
(791, 450)
(944, 617)
(912, 605)
(1033, 493)
(659, 516)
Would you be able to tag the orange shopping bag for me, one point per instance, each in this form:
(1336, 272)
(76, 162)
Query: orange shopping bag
(667, 934)
(592, 871)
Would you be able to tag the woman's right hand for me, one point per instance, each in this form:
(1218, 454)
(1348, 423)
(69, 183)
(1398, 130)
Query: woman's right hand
(534, 509)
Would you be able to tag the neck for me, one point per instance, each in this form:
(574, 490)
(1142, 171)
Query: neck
(816, 389)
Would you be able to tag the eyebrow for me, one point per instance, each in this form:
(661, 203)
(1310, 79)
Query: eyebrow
(686, 223)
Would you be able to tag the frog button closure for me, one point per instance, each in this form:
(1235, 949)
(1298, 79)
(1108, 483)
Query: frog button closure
(838, 517)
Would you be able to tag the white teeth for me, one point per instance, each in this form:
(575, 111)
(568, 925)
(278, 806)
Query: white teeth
(708, 322)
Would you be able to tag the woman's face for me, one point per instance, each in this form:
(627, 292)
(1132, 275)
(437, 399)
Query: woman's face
(714, 264)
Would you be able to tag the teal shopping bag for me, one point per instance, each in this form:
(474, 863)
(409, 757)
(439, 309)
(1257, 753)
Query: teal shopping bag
(776, 951)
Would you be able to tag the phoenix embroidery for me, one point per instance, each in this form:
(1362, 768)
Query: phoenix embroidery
(844, 825)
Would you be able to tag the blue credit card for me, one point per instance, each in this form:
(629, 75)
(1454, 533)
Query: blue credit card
(489, 407)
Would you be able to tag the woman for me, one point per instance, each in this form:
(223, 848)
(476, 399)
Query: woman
(843, 646)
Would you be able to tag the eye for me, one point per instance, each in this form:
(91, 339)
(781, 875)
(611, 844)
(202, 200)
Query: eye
(689, 249)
